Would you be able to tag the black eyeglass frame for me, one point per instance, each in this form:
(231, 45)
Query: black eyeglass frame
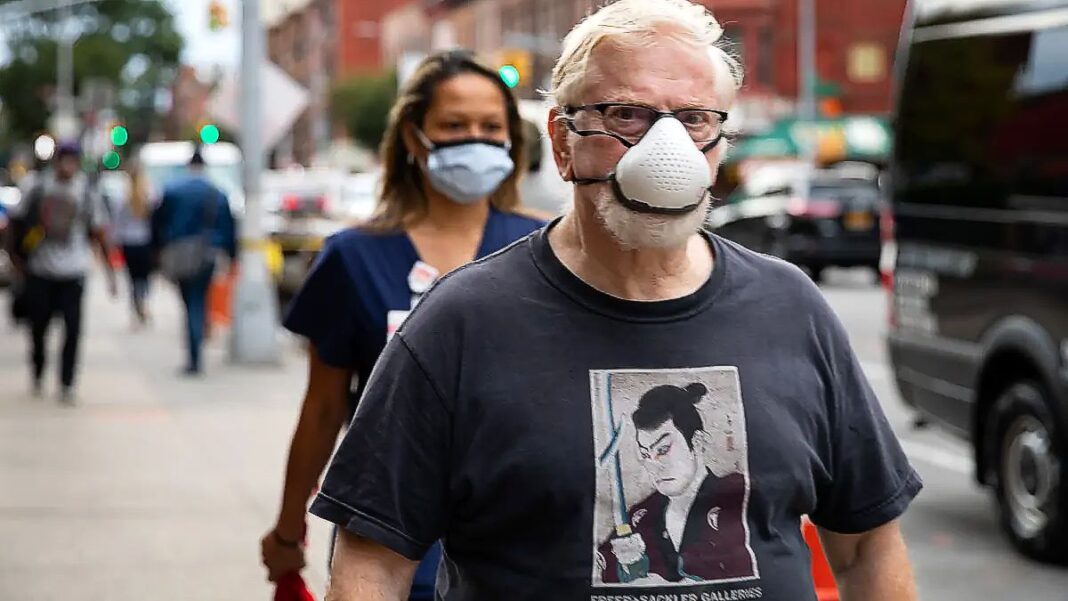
(601, 107)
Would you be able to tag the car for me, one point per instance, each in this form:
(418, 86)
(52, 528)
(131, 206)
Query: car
(541, 188)
(814, 219)
(978, 244)
(306, 207)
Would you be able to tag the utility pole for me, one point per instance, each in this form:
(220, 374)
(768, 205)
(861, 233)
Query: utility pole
(65, 125)
(806, 59)
(806, 76)
(255, 311)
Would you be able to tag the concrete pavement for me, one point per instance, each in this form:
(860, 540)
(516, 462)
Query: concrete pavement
(153, 486)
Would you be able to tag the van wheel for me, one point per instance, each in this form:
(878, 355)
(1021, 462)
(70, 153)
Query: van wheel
(1031, 494)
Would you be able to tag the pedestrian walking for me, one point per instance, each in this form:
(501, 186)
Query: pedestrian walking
(192, 226)
(449, 195)
(132, 231)
(623, 405)
(56, 223)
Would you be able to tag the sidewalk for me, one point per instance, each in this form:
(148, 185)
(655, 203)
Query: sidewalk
(153, 486)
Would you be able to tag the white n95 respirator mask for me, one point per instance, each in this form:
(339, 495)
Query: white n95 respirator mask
(663, 173)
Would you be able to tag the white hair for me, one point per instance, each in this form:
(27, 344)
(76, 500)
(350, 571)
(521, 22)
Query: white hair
(638, 20)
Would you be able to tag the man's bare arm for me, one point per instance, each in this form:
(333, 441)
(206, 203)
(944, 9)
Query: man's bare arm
(872, 566)
(363, 570)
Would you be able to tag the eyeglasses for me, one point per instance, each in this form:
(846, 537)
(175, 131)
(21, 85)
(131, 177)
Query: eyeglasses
(629, 122)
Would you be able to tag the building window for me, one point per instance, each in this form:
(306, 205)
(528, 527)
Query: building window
(867, 62)
(365, 29)
(765, 59)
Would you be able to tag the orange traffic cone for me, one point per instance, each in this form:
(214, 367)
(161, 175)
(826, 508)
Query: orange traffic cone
(826, 588)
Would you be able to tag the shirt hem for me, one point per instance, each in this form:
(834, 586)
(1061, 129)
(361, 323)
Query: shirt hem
(359, 523)
(880, 514)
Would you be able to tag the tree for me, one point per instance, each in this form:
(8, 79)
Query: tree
(132, 44)
(362, 104)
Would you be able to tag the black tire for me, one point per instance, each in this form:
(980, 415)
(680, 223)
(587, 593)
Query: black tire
(1032, 472)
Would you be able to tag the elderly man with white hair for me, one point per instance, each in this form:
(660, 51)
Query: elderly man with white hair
(623, 406)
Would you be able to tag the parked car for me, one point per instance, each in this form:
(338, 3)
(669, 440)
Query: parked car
(978, 334)
(306, 207)
(819, 219)
(541, 188)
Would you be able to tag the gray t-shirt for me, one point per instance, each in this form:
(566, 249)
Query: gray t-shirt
(568, 445)
(68, 257)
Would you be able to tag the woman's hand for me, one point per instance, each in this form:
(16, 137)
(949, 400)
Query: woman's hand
(280, 556)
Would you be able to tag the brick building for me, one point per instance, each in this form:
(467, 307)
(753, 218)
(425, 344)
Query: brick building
(189, 104)
(359, 33)
(856, 42)
(302, 41)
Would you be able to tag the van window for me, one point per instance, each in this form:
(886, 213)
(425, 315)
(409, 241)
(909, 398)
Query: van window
(981, 121)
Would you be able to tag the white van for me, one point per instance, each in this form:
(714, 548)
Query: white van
(541, 189)
(164, 162)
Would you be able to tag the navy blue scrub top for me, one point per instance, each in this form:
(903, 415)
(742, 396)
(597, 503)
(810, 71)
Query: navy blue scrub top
(359, 278)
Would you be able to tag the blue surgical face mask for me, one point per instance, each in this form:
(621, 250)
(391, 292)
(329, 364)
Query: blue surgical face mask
(469, 170)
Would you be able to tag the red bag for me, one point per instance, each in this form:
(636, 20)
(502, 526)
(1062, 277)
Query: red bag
(291, 587)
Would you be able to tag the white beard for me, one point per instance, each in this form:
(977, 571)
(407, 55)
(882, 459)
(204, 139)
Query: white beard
(635, 230)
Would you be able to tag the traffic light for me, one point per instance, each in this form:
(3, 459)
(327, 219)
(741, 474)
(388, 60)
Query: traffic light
(119, 136)
(515, 66)
(111, 160)
(509, 75)
(218, 17)
(209, 133)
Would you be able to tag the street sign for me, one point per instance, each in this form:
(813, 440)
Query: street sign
(283, 100)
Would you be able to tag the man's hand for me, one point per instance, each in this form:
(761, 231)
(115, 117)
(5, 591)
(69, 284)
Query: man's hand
(628, 550)
(364, 570)
(280, 557)
(871, 566)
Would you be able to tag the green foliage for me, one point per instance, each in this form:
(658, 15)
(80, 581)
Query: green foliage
(132, 44)
(362, 104)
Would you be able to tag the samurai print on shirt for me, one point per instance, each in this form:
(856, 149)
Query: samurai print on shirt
(672, 479)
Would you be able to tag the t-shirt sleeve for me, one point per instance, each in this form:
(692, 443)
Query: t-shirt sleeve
(871, 481)
(323, 310)
(389, 479)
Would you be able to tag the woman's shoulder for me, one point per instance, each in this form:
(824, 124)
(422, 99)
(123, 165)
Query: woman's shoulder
(359, 237)
(526, 218)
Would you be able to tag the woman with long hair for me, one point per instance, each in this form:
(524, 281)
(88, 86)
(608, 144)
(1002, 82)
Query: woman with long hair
(132, 209)
(451, 158)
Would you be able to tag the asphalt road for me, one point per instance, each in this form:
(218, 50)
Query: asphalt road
(957, 550)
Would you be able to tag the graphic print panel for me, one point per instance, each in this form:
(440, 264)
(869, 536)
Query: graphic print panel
(672, 478)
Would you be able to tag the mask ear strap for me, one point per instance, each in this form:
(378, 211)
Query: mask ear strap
(425, 141)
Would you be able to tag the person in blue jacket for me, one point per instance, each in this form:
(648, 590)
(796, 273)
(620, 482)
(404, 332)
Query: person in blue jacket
(451, 159)
(193, 206)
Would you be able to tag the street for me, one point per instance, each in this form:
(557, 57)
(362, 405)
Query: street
(159, 488)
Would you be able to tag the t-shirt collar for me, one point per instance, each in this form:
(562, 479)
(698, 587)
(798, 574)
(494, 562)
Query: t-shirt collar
(628, 310)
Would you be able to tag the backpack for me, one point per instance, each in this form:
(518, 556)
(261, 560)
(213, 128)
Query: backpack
(185, 258)
(48, 218)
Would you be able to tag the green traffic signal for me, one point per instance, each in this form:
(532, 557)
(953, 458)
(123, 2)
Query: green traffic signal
(509, 75)
(111, 160)
(209, 134)
(119, 135)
